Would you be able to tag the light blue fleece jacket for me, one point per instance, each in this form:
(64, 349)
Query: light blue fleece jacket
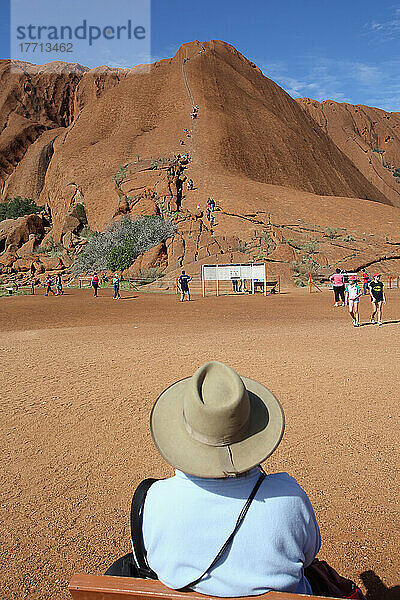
(187, 519)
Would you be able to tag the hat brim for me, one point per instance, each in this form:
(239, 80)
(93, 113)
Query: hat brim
(182, 451)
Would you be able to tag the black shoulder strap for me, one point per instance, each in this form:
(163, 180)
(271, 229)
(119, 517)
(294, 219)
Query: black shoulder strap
(230, 538)
(137, 529)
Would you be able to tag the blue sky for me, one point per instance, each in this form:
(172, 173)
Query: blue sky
(346, 51)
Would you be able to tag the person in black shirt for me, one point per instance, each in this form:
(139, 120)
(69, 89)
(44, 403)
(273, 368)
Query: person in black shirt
(377, 297)
(183, 282)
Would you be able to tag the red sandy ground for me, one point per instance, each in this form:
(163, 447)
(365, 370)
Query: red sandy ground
(79, 377)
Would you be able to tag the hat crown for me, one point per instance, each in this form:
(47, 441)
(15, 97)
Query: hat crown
(216, 409)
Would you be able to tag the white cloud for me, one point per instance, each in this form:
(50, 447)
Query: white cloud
(366, 74)
(386, 28)
(341, 80)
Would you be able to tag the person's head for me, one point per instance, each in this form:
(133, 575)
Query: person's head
(338, 271)
(216, 424)
(376, 276)
(183, 273)
(353, 279)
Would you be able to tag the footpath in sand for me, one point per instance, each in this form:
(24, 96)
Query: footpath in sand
(79, 377)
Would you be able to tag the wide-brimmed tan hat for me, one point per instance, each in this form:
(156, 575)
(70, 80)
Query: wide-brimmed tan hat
(216, 423)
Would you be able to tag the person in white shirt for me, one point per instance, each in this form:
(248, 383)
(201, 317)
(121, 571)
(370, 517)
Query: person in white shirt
(353, 294)
(215, 428)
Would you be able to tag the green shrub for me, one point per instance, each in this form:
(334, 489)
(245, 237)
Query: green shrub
(303, 268)
(349, 238)
(311, 247)
(121, 174)
(86, 233)
(267, 242)
(121, 258)
(122, 242)
(81, 213)
(331, 232)
(18, 207)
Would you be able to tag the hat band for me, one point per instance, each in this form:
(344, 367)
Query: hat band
(224, 440)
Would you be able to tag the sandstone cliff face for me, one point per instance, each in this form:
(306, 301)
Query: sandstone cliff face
(246, 124)
(110, 139)
(32, 101)
(370, 137)
(259, 132)
(36, 104)
(27, 178)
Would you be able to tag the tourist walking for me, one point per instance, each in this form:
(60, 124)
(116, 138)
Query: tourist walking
(116, 282)
(48, 286)
(337, 280)
(183, 283)
(59, 285)
(377, 297)
(366, 281)
(95, 284)
(354, 293)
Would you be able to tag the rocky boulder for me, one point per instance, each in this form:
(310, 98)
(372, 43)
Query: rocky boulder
(66, 259)
(28, 248)
(71, 224)
(7, 259)
(23, 264)
(39, 268)
(51, 263)
(16, 232)
(155, 257)
(69, 240)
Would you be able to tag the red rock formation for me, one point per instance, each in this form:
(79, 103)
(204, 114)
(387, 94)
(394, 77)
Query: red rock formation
(15, 232)
(370, 137)
(114, 136)
(32, 100)
(247, 125)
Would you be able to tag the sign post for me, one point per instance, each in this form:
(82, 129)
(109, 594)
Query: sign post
(234, 273)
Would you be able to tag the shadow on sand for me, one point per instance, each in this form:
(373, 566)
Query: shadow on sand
(376, 589)
(383, 323)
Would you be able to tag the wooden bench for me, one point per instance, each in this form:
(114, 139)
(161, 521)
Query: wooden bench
(102, 587)
(259, 286)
